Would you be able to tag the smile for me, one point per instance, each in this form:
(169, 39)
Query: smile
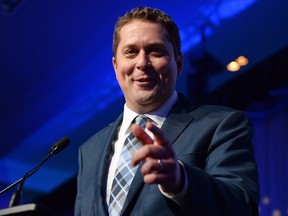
(144, 80)
(145, 83)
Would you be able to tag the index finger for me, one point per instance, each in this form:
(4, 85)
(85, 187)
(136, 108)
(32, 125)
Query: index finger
(159, 137)
(141, 135)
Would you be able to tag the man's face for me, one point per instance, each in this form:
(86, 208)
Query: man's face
(145, 65)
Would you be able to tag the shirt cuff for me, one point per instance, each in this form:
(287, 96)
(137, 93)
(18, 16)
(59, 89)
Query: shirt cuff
(177, 197)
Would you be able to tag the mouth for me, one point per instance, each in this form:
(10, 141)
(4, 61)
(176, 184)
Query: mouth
(145, 82)
(145, 79)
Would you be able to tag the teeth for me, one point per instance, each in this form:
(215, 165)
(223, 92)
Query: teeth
(143, 80)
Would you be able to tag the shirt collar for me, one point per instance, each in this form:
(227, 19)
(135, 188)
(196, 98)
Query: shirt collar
(158, 116)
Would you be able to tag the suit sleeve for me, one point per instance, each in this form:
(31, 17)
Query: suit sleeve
(227, 184)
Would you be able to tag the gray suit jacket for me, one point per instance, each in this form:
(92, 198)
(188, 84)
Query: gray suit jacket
(214, 144)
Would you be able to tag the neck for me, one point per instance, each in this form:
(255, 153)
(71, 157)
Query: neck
(142, 109)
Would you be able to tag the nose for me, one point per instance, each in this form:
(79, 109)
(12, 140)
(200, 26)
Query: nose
(143, 61)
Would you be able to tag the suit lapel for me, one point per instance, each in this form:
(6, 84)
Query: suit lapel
(175, 125)
(178, 120)
(104, 164)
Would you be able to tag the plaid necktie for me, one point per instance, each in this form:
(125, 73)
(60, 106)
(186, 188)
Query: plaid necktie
(125, 172)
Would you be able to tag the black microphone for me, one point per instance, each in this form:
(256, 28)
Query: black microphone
(59, 146)
(55, 149)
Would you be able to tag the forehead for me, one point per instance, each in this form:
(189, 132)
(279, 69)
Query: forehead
(139, 29)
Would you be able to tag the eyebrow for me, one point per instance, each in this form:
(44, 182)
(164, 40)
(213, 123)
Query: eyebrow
(156, 44)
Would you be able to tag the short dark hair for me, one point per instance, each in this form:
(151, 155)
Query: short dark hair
(150, 15)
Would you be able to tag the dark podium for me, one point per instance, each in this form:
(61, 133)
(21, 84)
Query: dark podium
(31, 209)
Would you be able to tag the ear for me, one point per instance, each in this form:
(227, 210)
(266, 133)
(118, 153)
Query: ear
(114, 64)
(179, 62)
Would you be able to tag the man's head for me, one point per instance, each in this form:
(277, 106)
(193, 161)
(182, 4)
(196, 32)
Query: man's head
(145, 61)
(149, 15)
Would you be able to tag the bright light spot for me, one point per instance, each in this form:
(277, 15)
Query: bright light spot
(239, 62)
(276, 212)
(242, 60)
(233, 66)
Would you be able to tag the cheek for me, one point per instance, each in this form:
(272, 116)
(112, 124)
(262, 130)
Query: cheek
(120, 72)
(168, 72)
(122, 76)
(124, 68)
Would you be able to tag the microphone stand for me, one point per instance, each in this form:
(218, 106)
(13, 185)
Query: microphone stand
(26, 175)
(16, 197)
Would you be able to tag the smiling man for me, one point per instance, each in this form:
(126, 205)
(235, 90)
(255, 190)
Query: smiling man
(164, 155)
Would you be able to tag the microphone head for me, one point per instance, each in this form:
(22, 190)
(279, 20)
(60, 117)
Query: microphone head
(59, 145)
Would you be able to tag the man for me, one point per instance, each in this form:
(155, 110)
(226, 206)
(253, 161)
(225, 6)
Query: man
(193, 160)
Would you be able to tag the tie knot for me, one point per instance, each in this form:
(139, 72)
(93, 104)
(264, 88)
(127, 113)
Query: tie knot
(141, 120)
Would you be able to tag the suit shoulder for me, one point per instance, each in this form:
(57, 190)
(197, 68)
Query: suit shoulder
(203, 110)
(213, 108)
(217, 111)
(191, 106)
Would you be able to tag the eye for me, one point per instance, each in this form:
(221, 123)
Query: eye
(130, 52)
(156, 51)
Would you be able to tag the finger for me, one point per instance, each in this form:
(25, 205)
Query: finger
(141, 135)
(156, 178)
(150, 166)
(170, 180)
(149, 151)
(159, 137)
(158, 166)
